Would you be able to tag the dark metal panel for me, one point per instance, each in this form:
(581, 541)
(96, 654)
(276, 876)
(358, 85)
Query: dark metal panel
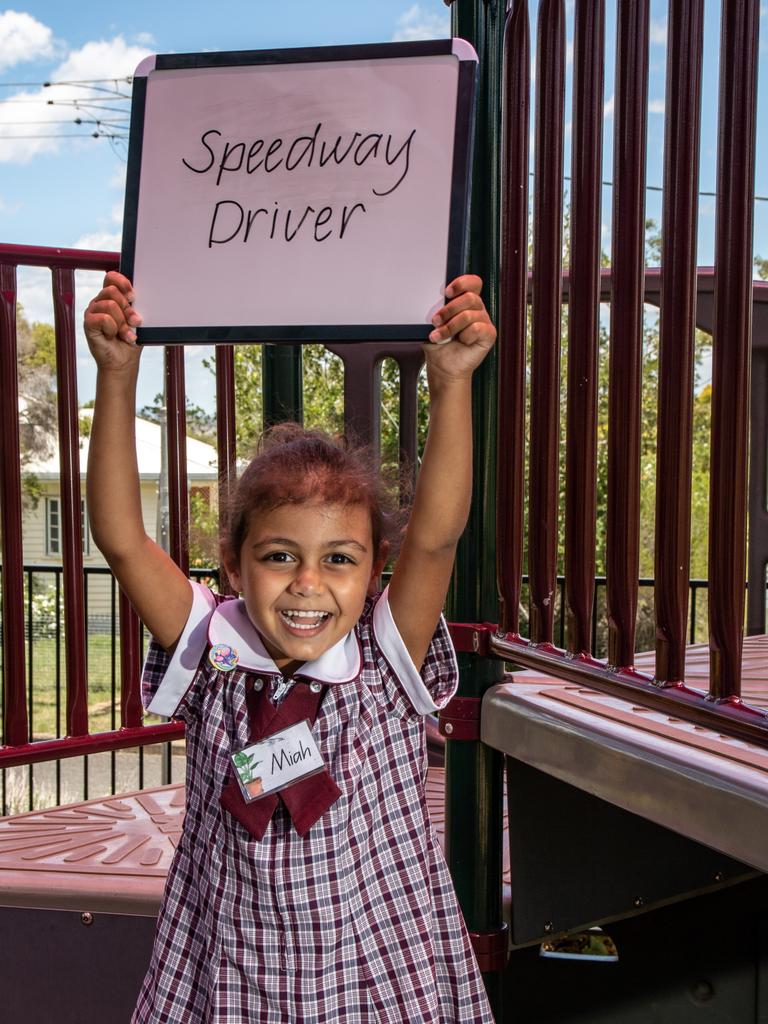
(513, 316)
(57, 967)
(627, 258)
(282, 384)
(688, 963)
(225, 439)
(685, 35)
(731, 342)
(71, 503)
(547, 312)
(584, 322)
(176, 418)
(558, 833)
(474, 772)
(761, 1015)
(14, 656)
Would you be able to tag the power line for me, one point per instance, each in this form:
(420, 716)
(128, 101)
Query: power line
(66, 135)
(658, 188)
(128, 79)
(63, 120)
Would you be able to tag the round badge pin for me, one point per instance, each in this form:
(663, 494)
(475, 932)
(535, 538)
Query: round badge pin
(223, 657)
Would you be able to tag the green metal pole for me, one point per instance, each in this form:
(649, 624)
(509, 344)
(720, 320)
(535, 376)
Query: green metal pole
(474, 772)
(282, 384)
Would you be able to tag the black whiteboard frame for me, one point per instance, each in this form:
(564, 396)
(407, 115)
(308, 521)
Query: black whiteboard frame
(459, 202)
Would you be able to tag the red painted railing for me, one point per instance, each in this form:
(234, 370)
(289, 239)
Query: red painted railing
(630, 285)
(362, 364)
(17, 747)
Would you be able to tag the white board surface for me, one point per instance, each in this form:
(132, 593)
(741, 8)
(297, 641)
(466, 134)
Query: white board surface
(315, 194)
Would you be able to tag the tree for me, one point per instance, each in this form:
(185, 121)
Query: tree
(200, 424)
(37, 399)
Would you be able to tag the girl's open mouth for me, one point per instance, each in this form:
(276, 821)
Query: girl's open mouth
(304, 623)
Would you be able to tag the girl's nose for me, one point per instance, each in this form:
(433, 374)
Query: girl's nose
(306, 582)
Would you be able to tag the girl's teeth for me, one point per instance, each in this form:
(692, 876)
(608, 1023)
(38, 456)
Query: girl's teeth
(316, 617)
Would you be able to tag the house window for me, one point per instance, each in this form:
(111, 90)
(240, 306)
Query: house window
(202, 493)
(53, 527)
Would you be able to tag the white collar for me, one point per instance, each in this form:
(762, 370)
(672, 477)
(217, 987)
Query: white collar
(230, 624)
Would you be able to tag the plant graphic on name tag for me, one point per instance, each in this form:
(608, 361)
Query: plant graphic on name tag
(245, 764)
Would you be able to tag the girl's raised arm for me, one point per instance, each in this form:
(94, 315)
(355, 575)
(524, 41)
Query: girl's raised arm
(462, 338)
(153, 582)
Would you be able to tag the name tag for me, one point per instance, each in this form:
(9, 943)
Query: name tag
(277, 761)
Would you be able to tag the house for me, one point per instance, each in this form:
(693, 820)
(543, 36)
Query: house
(41, 524)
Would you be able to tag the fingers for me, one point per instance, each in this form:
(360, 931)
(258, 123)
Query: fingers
(112, 315)
(465, 283)
(115, 279)
(465, 317)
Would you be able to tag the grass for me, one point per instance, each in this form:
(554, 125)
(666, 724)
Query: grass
(47, 701)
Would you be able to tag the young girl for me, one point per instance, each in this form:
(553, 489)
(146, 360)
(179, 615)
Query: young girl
(329, 900)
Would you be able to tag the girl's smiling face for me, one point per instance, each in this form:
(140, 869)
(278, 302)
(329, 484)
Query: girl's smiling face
(304, 572)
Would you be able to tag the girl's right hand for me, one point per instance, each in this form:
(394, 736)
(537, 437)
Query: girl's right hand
(110, 322)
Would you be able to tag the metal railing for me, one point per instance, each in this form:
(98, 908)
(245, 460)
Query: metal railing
(45, 686)
(282, 400)
(722, 708)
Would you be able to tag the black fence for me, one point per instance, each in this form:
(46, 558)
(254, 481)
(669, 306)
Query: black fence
(65, 781)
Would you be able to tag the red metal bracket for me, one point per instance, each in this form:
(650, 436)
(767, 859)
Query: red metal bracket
(472, 637)
(460, 718)
(491, 949)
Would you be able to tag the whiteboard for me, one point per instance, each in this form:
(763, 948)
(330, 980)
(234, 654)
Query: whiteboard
(298, 195)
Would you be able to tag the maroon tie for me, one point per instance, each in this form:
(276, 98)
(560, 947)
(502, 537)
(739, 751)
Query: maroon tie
(306, 799)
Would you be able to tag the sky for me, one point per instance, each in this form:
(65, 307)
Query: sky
(60, 186)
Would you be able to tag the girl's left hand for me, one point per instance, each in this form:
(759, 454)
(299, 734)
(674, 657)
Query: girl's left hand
(463, 333)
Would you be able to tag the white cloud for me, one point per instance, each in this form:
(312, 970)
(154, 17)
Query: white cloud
(23, 38)
(34, 293)
(35, 120)
(118, 178)
(658, 32)
(103, 58)
(144, 39)
(106, 241)
(608, 108)
(418, 23)
(656, 106)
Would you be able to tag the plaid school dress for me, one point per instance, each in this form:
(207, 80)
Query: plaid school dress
(357, 922)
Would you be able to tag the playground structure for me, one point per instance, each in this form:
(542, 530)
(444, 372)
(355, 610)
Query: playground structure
(637, 787)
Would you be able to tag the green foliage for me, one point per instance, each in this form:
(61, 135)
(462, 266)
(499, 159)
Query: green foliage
(323, 394)
(203, 532)
(37, 398)
(648, 413)
(200, 424)
(761, 266)
(32, 490)
(42, 351)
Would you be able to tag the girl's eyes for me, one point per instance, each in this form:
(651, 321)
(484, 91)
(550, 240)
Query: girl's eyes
(278, 556)
(338, 558)
(284, 557)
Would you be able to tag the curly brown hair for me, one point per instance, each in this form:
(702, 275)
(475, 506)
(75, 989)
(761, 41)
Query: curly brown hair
(293, 465)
